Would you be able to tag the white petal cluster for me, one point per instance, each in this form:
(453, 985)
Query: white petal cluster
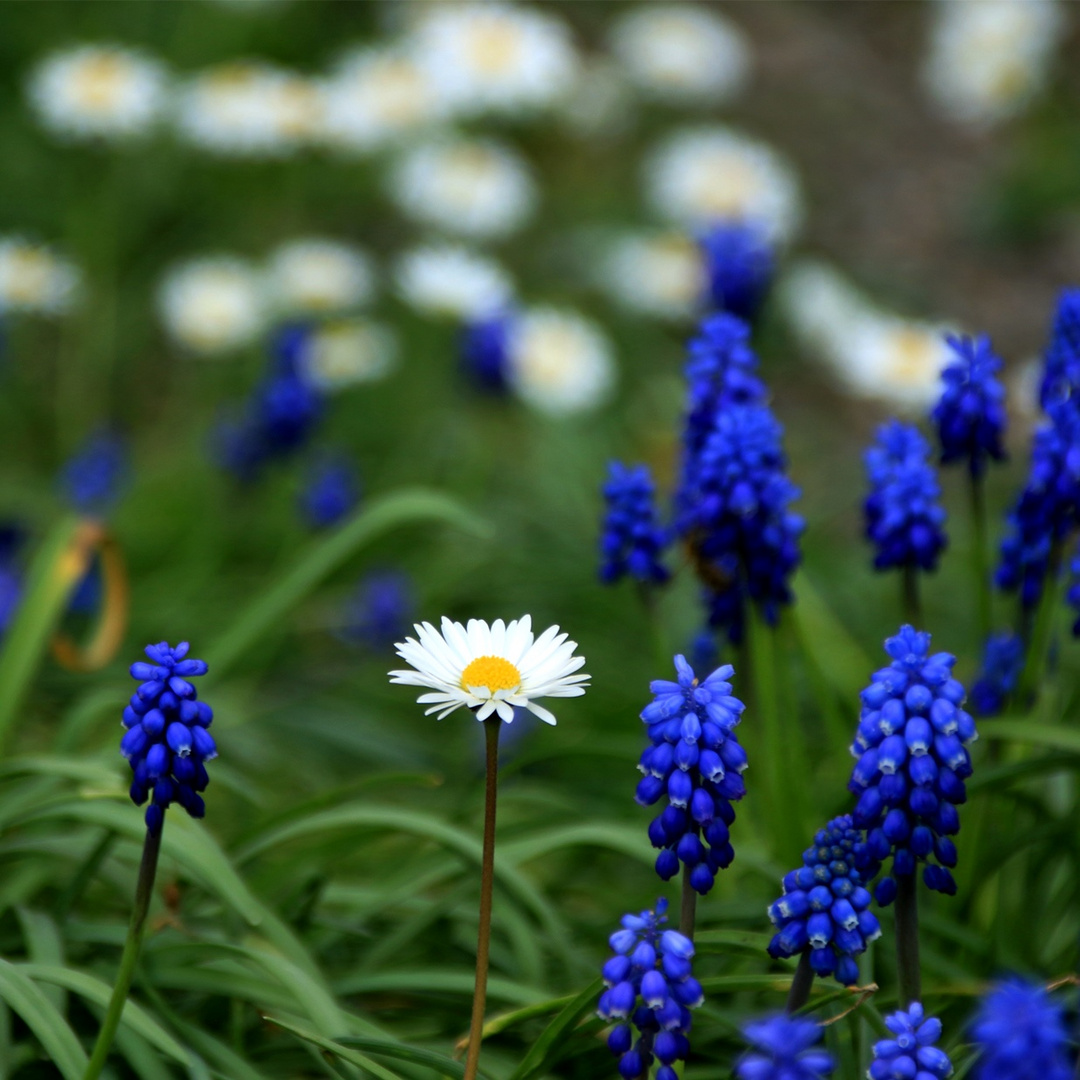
(544, 667)
(682, 53)
(34, 279)
(317, 276)
(699, 176)
(348, 352)
(451, 280)
(98, 92)
(214, 304)
(989, 58)
(656, 273)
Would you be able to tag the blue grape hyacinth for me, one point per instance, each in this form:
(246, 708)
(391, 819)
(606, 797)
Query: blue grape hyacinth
(912, 762)
(970, 415)
(632, 539)
(92, 480)
(650, 988)
(331, 492)
(911, 1052)
(739, 266)
(1061, 370)
(166, 742)
(1003, 661)
(1020, 1034)
(825, 906)
(695, 762)
(484, 350)
(380, 610)
(784, 1048)
(11, 580)
(904, 518)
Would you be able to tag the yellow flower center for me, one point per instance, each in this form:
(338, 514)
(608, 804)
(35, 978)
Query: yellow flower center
(491, 671)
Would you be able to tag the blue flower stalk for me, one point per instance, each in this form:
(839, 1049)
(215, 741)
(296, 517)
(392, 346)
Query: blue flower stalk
(650, 988)
(93, 479)
(784, 1048)
(1003, 661)
(695, 763)
(739, 265)
(330, 493)
(1020, 1034)
(1061, 365)
(909, 779)
(632, 539)
(911, 1051)
(166, 744)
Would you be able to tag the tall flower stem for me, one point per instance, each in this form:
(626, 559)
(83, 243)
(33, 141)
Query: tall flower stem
(1039, 640)
(907, 939)
(980, 563)
(909, 595)
(799, 993)
(487, 881)
(143, 891)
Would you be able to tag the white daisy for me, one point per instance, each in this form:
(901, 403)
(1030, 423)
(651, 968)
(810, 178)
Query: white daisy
(376, 96)
(451, 280)
(213, 304)
(347, 352)
(559, 362)
(989, 58)
(682, 53)
(494, 57)
(659, 273)
(34, 279)
(320, 276)
(98, 91)
(490, 669)
(600, 104)
(702, 175)
(472, 187)
(248, 108)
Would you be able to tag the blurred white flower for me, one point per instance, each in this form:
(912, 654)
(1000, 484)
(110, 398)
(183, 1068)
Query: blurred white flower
(1022, 389)
(989, 58)
(494, 57)
(213, 304)
(319, 276)
(346, 352)
(559, 362)
(473, 187)
(248, 108)
(98, 91)
(702, 175)
(682, 53)
(601, 102)
(451, 280)
(375, 96)
(659, 273)
(34, 279)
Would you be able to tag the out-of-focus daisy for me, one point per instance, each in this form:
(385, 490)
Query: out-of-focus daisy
(600, 104)
(316, 276)
(474, 187)
(660, 273)
(452, 280)
(98, 91)
(346, 352)
(1022, 391)
(494, 57)
(376, 96)
(989, 58)
(682, 53)
(33, 278)
(490, 669)
(213, 304)
(247, 108)
(699, 176)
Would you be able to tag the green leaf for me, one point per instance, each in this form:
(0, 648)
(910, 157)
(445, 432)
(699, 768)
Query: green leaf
(43, 1020)
(435, 981)
(353, 1057)
(400, 1052)
(551, 1041)
(323, 557)
(724, 941)
(619, 838)
(1046, 736)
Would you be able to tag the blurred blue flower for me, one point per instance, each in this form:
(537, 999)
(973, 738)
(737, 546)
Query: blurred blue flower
(911, 1053)
(784, 1048)
(904, 518)
(632, 539)
(1003, 660)
(970, 415)
(1061, 367)
(11, 581)
(704, 654)
(825, 906)
(912, 762)
(93, 479)
(739, 265)
(1020, 1033)
(331, 491)
(380, 610)
(695, 762)
(484, 352)
(166, 741)
(650, 986)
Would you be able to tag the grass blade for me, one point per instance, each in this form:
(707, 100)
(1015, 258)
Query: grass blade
(41, 1017)
(551, 1042)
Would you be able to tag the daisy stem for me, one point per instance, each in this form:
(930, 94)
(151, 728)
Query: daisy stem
(487, 881)
(907, 939)
(143, 891)
(803, 979)
(979, 562)
(909, 586)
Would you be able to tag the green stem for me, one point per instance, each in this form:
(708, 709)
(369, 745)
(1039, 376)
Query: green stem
(1041, 632)
(979, 557)
(688, 909)
(487, 881)
(909, 590)
(907, 940)
(649, 601)
(143, 891)
(799, 993)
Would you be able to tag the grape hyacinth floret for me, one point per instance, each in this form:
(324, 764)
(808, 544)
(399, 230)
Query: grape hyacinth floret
(1061, 371)
(92, 480)
(784, 1048)
(632, 539)
(380, 609)
(1003, 661)
(331, 491)
(911, 1053)
(166, 742)
(825, 906)
(739, 266)
(904, 518)
(694, 760)
(484, 349)
(970, 415)
(1020, 1032)
(912, 762)
(650, 987)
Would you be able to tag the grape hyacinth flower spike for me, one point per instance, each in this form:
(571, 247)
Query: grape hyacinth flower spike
(739, 265)
(166, 744)
(632, 539)
(491, 670)
(1003, 661)
(784, 1048)
(1020, 1033)
(1061, 367)
(911, 1052)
